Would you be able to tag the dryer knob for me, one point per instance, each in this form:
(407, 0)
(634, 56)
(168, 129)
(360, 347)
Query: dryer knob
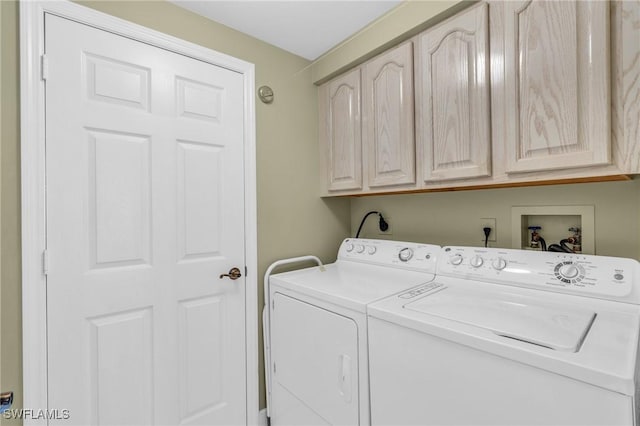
(371, 250)
(349, 247)
(456, 259)
(499, 264)
(360, 248)
(476, 261)
(405, 254)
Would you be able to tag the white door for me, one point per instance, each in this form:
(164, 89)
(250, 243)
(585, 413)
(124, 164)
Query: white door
(145, 190)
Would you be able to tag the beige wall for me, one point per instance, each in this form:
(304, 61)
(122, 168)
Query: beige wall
(10, 296)
(292, 219)
(452, 218)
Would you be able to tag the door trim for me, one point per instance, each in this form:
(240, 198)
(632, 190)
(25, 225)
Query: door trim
(32, 126)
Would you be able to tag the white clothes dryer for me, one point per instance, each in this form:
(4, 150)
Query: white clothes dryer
(318, 360)
(509, 337)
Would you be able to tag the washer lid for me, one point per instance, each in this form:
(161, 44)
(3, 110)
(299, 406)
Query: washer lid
(525, 318)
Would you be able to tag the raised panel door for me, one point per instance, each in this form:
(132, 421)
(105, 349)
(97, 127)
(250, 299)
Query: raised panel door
(625, 91)
(453, 98)
(557, 90)
(340, 132)
(145, 208)
(388, 118)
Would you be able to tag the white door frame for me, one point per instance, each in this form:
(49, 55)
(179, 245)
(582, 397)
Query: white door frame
(32, 110)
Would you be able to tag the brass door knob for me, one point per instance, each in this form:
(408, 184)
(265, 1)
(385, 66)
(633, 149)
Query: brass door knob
(234, 274)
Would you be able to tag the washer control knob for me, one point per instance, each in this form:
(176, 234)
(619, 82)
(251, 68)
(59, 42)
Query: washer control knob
(569, 271)
(349, 247)
(456, 259)
(405, 254)
(359, 248)
(476, 261)
(499, 264)
(371, 250)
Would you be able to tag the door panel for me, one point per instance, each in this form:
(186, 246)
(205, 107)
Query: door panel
(199, 169)
(454, 118)
(120, 198)
(340, 131)
(145, 209)
(387, 103)
(121, 358)
(557, 84)
(201, 359)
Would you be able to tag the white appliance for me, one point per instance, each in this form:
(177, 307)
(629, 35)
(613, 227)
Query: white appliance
(318, 329)
(509, 337)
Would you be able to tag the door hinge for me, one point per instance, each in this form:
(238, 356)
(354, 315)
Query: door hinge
(45, 262)
(273, 305)
(245, 271)
(274, 368)
(44, 67)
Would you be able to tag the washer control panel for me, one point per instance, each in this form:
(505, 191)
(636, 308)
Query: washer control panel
(414, 256)
(595, 276)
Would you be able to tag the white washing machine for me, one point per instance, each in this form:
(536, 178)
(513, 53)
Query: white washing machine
(318, 332)
(509, 337)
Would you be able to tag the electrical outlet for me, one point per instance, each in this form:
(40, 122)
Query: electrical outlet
(489, 222)
(389, 229)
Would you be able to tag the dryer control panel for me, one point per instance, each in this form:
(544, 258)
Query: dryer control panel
(595, 276)
(405, 255)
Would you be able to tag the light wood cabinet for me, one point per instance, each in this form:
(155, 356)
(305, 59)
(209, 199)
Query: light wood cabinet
(507, 93)
(625, 93)
(557, 92)
(340, 133)
(452, 97)
(388, 131)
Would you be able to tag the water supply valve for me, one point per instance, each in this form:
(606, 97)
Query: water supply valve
(575, 239)
(535, 237)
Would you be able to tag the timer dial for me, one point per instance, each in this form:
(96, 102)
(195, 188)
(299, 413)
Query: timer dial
(360, 248)
(349, 247)
(569, 272)
(456, 259)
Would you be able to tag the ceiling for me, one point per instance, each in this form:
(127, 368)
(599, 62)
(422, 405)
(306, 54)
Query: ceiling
(307, 28)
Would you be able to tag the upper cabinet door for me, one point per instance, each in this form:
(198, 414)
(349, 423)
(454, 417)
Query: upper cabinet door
(556, 84)
(453, 98)
(388, 130)
(340, 136)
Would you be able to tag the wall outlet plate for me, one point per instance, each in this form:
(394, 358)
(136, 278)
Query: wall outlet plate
(489, 222)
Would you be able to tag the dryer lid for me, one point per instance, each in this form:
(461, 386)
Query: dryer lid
(525, 318)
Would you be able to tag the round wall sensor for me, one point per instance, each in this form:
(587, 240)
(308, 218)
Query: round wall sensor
(265, 94)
